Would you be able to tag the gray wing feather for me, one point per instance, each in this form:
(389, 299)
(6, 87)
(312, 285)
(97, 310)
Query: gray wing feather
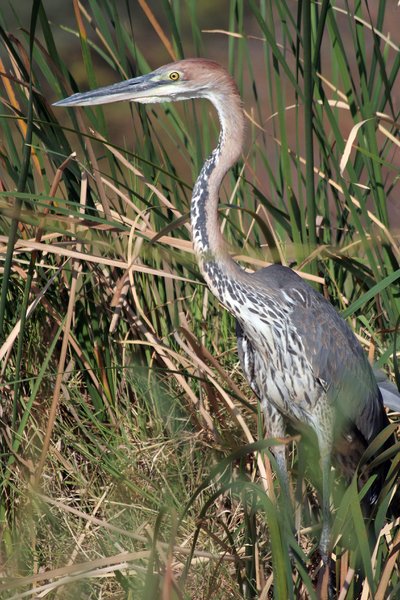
(390, 393)
(333, 352)
(339, 361)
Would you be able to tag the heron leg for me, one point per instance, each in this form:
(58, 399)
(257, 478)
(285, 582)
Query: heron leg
(325, 443)
(326, 579)
(323, 426)
(326, 512)
(275, 428)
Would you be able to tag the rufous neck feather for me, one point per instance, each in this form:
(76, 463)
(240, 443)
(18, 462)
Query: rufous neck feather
(208, 242)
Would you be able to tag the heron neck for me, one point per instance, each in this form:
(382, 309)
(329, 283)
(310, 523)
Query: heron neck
(209, 244)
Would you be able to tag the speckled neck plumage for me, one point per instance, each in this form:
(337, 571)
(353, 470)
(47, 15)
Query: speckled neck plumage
(214, 259)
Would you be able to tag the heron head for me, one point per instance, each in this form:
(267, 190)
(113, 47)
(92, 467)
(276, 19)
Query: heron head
(181, 80)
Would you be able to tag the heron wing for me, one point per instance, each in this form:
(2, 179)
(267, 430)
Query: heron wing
(339, 362)
(333, 352)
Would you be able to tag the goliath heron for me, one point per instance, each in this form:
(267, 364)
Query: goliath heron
(300, 357)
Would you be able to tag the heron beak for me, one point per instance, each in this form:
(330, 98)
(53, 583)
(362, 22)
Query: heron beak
(135, 90)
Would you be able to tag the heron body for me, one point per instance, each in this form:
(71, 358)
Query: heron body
(300, 357)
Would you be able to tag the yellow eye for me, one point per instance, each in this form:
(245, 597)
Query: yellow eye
(174, 76)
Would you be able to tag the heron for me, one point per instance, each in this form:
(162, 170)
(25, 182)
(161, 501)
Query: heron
(301, 359)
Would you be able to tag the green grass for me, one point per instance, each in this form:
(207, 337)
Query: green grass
(130, 466)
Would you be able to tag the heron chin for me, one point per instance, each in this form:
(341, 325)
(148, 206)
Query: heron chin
(299, 356)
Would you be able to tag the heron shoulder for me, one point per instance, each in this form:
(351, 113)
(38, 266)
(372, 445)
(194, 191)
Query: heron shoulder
(277, 276)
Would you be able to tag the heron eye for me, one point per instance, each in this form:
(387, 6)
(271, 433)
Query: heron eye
(174, 76)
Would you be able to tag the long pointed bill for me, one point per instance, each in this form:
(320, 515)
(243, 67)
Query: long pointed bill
(138, 89)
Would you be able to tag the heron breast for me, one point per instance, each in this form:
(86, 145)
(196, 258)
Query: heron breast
(272, 353)
(280, 372)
